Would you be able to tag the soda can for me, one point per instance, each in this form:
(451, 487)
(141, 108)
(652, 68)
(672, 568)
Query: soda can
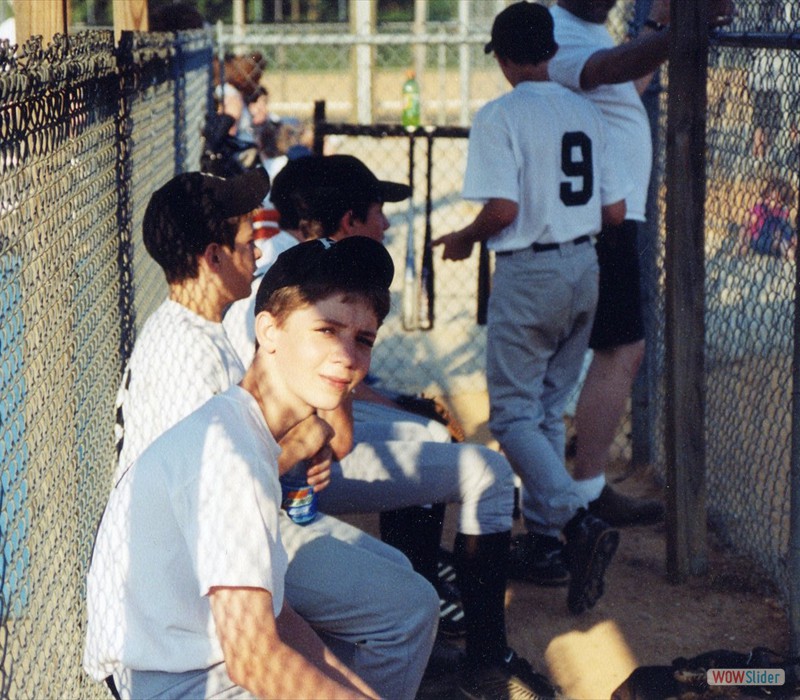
(298, 497)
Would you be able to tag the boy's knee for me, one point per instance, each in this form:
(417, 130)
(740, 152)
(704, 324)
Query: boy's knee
(419, 609)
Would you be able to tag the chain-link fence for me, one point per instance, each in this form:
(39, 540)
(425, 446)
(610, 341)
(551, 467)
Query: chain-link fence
(751, 235)
(88, 131)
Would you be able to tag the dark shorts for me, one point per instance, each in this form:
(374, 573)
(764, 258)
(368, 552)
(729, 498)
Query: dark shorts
(618, 319)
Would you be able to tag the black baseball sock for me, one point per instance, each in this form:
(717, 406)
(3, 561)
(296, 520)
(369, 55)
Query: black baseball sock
(481, 563)
(417, 533)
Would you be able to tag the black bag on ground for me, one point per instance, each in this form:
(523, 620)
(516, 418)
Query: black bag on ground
(687, 678)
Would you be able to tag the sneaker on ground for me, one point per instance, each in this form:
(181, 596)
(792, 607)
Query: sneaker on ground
(440, 679)
(446, 569)
(537, 559)
(591, 544)
(620, 510)
(513, 678)
(451, 612)
(445, 658)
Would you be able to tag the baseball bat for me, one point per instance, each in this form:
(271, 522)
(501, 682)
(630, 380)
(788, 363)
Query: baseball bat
(410, 310)
(426, 279)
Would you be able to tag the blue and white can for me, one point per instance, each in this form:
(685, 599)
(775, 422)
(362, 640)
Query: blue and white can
(299, 499)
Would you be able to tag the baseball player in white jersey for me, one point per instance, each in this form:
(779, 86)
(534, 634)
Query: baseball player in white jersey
(539, 160)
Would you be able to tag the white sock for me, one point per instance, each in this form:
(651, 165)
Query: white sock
(590, 488)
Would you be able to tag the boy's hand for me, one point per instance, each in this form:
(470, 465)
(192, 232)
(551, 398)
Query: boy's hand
(456, 246)
(318, 473)
(306, 440)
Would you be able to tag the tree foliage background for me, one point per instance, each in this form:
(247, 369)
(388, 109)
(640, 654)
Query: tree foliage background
(99, 12)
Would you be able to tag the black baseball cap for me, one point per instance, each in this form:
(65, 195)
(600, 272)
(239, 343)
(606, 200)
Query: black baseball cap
(355, 264)
(341, 172)
(523, 33)
(298, 175)
(352, 177)
(191, 204)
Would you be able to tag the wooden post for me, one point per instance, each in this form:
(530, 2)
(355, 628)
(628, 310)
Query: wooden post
(687, 552)
(40, 17)
(130, 15)
(238, 25)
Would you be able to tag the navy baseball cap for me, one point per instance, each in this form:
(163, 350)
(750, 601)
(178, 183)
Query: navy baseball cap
(191, 205)
(523, 33)
(322, 181)
(353, 264)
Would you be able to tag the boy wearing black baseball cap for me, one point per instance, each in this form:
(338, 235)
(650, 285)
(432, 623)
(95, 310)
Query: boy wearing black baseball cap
(199, 585)
(539, 161)
(197, 227)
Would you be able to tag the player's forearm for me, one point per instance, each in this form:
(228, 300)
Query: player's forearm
(637, 59)
(633, 60)
(495, 215)
(280, 671)
(296, 633)
(276, 658)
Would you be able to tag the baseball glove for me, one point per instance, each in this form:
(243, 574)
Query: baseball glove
(433, 409)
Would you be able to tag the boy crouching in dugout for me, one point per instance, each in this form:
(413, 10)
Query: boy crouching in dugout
(186, 585)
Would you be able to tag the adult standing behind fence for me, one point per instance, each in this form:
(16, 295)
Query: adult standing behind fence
(589, 62)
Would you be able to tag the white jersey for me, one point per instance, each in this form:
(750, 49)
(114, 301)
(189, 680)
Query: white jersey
(198, 509)
(628, 125)
(239, 320)
(543, 147)
(179, 361)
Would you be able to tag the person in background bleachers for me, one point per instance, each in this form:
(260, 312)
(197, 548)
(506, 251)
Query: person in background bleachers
(769, 229)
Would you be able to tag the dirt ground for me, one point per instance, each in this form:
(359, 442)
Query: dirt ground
(642, 619)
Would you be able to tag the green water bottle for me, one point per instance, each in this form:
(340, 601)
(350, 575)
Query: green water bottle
(411, 104)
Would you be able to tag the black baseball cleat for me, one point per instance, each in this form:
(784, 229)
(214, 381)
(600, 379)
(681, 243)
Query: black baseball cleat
(619, 510)
(511, 678)
(451, 611)
(537, 559)
(591, 545)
